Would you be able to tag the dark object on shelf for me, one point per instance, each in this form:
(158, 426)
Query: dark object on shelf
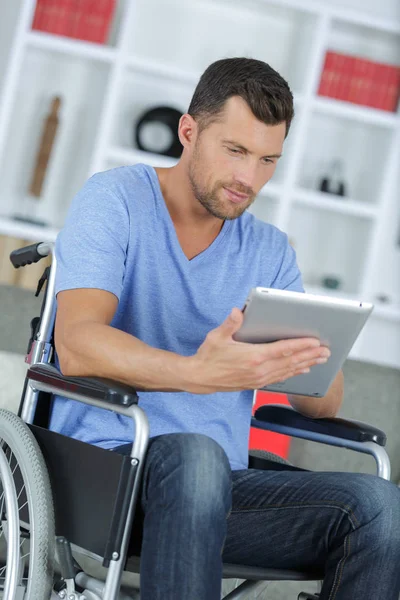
(30, 220)
(326, 186)
(45, 148)
(383, 298)
(332, 283)
(333, 181)
(157, 131)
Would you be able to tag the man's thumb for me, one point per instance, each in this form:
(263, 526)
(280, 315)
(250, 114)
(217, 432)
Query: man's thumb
(233, 322)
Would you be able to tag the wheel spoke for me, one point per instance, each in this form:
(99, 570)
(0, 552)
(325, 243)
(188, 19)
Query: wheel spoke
(23, 506)
(25, 555)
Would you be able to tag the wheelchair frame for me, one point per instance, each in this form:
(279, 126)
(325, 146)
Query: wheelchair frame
(123, 400)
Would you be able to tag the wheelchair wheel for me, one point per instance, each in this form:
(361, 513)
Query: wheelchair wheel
(27, 536)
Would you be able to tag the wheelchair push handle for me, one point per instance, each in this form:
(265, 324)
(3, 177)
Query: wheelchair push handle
(29, 254)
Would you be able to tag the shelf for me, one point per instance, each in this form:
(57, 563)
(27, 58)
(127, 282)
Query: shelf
(26, 231)
(329, 247)
(391, 313)
(350, 15)
(152, 67)
(323, 291)
(71, 47)
(8, 29)
(348, 110)
(138, 93)
(362, 151)
(380, 311)
(354, 18)
(125, 156)
(235, 28)
(338, 204)
(81, 87)
(271, 189)
(265, 207)
(364, 39)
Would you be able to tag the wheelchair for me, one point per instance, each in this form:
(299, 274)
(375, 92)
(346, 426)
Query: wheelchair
(62, 498)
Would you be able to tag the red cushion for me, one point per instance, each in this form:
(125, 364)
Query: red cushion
(268, 440)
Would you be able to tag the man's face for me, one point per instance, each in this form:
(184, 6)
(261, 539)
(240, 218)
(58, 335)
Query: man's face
(232, 159)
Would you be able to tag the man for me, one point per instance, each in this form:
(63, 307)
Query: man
(154, 266)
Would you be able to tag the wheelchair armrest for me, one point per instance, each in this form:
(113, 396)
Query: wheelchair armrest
(277, 414)
(97, 388)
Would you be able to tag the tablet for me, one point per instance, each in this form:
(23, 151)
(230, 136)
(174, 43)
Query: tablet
(271, 315)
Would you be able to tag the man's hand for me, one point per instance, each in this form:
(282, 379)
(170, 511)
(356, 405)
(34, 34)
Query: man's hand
(222, 364)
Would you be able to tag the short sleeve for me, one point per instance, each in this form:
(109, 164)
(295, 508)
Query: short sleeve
(288, 276)
(91, 247)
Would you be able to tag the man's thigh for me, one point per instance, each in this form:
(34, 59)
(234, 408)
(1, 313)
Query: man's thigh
(292, 519)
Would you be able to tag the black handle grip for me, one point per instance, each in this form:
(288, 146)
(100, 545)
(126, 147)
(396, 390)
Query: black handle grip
(25, 256)
(65, 558)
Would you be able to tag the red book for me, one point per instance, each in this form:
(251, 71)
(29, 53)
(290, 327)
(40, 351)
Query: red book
(345, 68)
(392, 97)
(53, 16)
(94, 20)
(337, 68)
(38, 17)
(326, 74)
(355, 91)
(365, 82)
(361, 81)
(370, 91)
(381, 86)
(83, 19)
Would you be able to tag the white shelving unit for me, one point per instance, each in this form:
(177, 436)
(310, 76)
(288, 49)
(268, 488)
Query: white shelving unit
(148, 62)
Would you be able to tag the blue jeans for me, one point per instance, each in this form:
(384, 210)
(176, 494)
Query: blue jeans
(198, 513)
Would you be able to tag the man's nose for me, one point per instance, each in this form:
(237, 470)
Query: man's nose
(246, 176)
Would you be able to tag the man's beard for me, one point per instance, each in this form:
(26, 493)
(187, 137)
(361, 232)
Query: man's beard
(209, 197)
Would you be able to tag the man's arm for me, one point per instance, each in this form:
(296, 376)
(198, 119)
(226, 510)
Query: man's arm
(318, 408)
(87, 345)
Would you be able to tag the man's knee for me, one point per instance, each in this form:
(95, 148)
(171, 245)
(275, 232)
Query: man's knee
(190, 467)
(375, 503)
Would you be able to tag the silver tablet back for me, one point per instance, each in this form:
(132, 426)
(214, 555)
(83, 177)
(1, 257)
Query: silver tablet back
(271, 315)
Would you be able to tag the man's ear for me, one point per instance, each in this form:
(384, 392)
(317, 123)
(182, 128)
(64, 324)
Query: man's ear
(187, 130)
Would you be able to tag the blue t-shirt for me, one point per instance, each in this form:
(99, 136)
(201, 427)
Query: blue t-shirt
(119, 237)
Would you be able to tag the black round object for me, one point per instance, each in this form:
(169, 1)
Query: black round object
(157, 131)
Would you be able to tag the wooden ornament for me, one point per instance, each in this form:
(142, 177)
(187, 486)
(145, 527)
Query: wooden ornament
(45, 148)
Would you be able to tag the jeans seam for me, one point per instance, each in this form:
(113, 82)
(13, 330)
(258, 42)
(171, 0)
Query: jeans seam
(326, 504)
(339, 569)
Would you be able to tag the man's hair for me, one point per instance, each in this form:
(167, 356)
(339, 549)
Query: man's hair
(266, 92)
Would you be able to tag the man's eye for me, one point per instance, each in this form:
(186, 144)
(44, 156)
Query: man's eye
(267, 161)
(234, 150)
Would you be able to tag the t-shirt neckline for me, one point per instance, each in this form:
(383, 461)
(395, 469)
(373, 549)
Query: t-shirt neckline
(184, 259)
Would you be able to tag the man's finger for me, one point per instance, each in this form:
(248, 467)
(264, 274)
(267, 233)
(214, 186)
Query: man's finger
(289, 347)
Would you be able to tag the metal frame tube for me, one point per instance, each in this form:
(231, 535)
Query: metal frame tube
(378, 452)
(141, 439)
(47, 323)
(242, 592)
(41, 347)
(141, 436)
